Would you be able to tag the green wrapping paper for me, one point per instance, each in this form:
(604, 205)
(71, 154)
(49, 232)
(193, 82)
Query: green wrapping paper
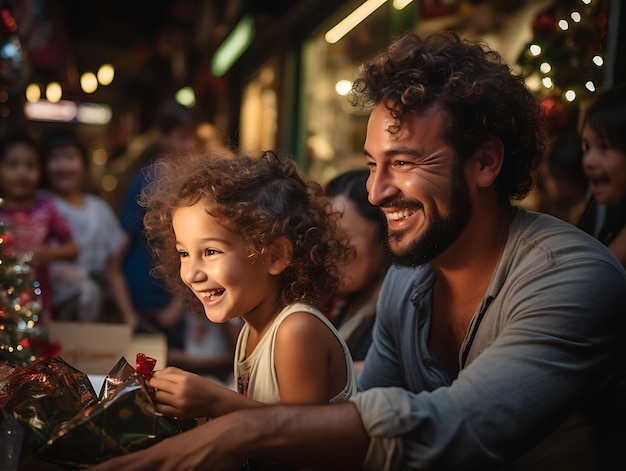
(68, 425)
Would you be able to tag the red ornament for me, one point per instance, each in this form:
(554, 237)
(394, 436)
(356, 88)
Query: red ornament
(24, 298)
(7, 239)
(544, 24)
(145, 365)
(555, 114)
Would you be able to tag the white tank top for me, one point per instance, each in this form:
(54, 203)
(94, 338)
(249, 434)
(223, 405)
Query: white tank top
(256, 377)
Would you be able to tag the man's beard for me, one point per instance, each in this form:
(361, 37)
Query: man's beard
(443, 232)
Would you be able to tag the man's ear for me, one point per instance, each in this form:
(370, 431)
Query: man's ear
(279, 255)
(489, 158)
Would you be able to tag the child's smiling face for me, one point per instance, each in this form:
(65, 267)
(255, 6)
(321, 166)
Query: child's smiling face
(220, 268)
(605, 168)
(20, 172)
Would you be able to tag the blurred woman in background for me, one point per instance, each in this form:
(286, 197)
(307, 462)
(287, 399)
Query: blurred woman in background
(353, 309)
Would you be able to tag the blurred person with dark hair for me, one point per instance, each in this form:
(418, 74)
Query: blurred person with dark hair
(353, 310)
(604, 162)
(158, 309)
(83, 287)
(563, 181)
(39, 231)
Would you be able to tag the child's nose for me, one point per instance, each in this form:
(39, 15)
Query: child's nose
(194, 273)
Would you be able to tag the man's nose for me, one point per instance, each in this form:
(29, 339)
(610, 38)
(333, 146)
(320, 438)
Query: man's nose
(380, 186)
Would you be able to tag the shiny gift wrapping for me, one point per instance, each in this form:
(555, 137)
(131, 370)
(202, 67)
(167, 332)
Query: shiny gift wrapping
(67, 424)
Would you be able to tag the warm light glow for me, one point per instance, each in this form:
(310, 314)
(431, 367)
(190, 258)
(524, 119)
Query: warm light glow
(576, 17)
(54, 92)
(597, 60)
(343, 87)
(564, 25)
(352, 20)
(535, 49)
(547, 82)
(93, 113)
(64, 111)
(88, 82)
(108, 183)
(68, 111)
(33, 93)
(186, 96)
(587, 2)
(545, 67)
(99, 157)
(570, 95)
(400, 4)
(106, 72)
(590, 86)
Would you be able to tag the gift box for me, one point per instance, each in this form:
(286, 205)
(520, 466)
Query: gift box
(67, 424)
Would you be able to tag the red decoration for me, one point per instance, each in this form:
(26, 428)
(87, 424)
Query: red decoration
(145, 365)
(24, 298)
(544, 24)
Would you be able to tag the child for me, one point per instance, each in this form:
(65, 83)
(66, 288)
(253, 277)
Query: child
(253, 240)
(95, 277)
(37, 226)
(604, 162)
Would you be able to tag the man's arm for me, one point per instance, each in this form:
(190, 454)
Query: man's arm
(322, 437)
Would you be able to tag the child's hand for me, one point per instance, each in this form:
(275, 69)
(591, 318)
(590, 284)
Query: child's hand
(183, 394)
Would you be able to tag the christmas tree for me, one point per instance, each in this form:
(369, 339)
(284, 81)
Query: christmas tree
(564, 61)
(22, 339)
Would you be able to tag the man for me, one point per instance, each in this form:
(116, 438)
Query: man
(497, 345)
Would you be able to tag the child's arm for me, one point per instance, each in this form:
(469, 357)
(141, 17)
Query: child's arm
(43, 254)
(302, 356)
(119, 287)
(185, 395)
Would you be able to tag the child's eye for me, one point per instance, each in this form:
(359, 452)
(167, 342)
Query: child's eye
(182, 254)
(209, 252)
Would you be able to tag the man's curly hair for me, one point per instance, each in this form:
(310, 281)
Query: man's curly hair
(476, 90)
(260, 197)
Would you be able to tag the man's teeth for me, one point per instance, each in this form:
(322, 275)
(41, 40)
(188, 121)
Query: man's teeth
(212, 295)
(396, 216)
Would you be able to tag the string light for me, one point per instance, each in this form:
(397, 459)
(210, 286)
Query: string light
(570, 95)
(54, 92)
(106, 72)
(88, 82)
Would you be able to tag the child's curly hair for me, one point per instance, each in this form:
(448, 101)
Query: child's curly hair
(260, 197)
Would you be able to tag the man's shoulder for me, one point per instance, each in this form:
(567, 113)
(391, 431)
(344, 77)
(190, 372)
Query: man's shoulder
(545, 232)
(540, 241)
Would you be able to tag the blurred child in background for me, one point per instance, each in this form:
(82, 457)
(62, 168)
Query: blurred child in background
(563, 181)
(38, 229)
(604, 161)
(84, 286)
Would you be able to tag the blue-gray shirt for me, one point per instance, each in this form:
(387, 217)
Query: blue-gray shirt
(541, 363)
